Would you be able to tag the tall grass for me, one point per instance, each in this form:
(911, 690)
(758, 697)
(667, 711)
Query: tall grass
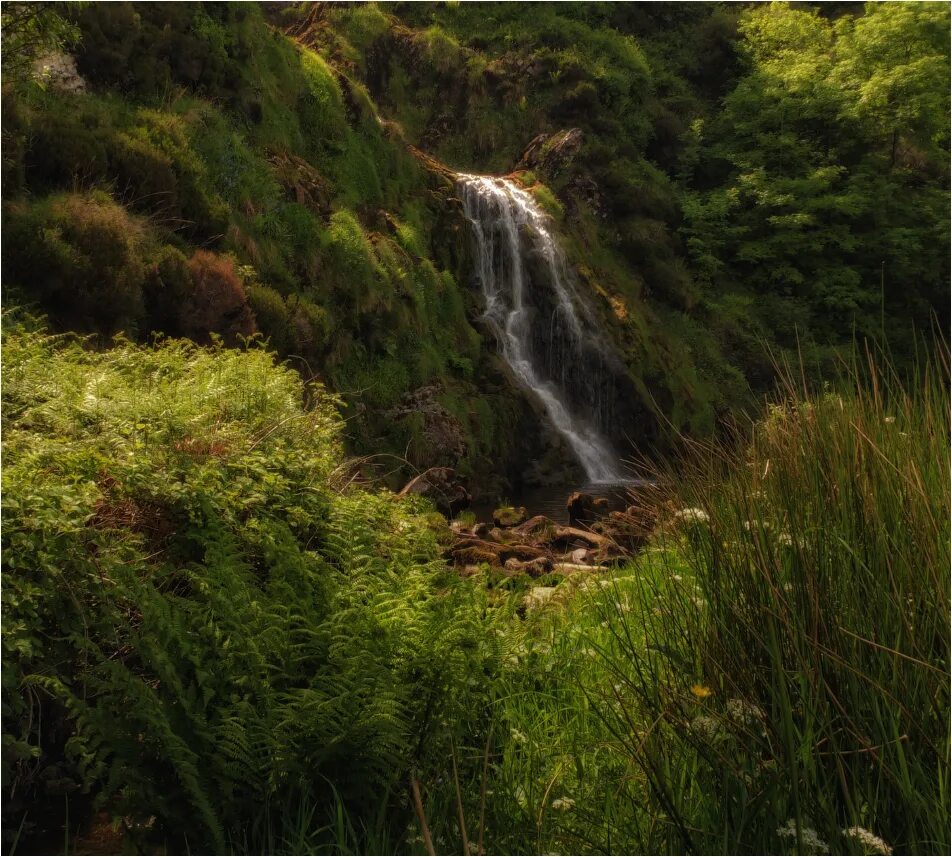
(800, 687)
(772, 674)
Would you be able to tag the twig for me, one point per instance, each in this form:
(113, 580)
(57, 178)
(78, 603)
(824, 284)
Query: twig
(418, 804)
(459, 803)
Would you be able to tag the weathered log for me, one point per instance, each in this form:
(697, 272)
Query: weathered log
(568, 534)
(469, 547)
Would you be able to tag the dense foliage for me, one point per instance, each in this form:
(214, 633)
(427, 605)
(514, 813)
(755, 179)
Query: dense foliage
(202, 622)
(749, 178)
(221, 635)
(210, 178)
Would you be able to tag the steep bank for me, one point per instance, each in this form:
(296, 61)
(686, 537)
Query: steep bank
(203, 170)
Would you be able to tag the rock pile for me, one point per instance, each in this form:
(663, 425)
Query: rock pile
(538, 545)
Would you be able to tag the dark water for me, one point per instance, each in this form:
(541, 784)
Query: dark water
(551, 501)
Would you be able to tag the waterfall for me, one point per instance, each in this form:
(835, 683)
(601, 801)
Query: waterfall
(543, 329)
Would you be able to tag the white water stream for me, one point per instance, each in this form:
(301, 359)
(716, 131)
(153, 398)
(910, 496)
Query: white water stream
(508, 224)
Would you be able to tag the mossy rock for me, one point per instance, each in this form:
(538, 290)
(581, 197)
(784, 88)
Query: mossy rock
(509, 516)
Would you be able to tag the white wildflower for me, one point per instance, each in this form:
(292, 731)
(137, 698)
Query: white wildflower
(563, 803)
(706, 728)
(691, 516)
(885, 420)
(518, 737)
(870, 842)
(809, 838)
(676, 577)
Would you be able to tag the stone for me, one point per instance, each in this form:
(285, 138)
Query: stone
(443, 487)
(509, 516)
(538, 597)
(582, 508)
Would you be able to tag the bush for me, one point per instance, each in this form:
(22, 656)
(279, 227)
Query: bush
(168, 286)
(271, 316)
(216, 302)
(79, 257)
(196, 604)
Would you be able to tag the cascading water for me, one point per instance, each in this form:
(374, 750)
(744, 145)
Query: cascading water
(543, 330)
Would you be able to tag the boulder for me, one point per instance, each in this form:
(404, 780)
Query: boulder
(579, 556)
(536, 530)
(509, 516)
(533, 567)
(627, 530)
(468, 555)
(538, 597)
(584, 508)
(443, 487)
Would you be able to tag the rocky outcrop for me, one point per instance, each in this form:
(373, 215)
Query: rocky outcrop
(444, 434)
(442, 486)
(509, 516)
(551, 154)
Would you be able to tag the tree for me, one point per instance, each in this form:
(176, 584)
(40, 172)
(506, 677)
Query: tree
(29, 31)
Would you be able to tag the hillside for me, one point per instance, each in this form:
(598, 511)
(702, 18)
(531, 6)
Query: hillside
(224, 170)
(475, 428)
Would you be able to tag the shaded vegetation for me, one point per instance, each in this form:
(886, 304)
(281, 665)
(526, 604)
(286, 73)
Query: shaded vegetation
(221, 634)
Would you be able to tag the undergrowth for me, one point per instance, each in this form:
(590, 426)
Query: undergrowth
(772, 674)
(205, 622)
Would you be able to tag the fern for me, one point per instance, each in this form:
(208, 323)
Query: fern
(222, 631)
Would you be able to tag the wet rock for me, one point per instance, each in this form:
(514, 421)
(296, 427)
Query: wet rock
(574, 537)
(521, 552)
(579, 556)
(443, 487)
(627, 530)
(533, 567)
(469, 555)
(584, 508)
(537, 530)
(499, 535)
(552, 154)
(509, 516)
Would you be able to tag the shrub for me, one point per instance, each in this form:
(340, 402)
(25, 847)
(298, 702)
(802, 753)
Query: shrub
(168, 284)
(271, 316)
(79, 257)
(198, 606)
(216, 302)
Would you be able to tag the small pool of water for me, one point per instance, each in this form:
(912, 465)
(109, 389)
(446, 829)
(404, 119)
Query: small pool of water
(551, 501)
